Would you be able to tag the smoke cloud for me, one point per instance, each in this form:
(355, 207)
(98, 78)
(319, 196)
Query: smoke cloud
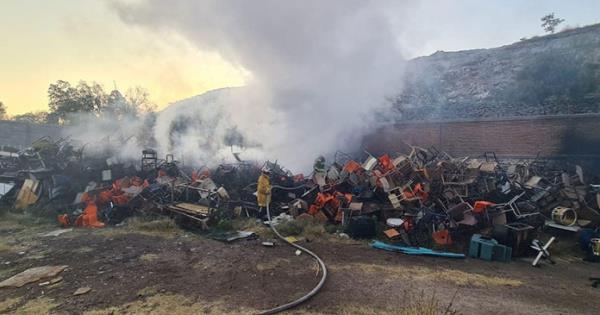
(319, 71)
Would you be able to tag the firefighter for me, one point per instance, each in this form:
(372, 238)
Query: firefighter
(263, 191)
(319, 172)
(319, 165)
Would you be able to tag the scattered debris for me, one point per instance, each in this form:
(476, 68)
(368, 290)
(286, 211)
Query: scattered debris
(589, 242)
(343, 235)
(28, 194)
(281, 218)
(231, 236)
(414, 250)
(543, 252)
(564, 216)
(291, 239)
(421, 199)
(391, 233)
(488, 249)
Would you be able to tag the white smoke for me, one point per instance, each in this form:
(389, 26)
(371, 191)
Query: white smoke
(202, 130)
(121, 138)
(319, 70)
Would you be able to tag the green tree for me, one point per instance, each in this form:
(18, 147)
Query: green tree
(40, 117)
(2, 111)
(139, 98)
(549, 22)
(65, 100)
(134, 103)
(117, 106)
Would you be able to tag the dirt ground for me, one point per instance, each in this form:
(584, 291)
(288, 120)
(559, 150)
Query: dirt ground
(171, 271)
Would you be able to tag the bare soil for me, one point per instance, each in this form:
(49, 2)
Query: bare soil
(126, 269)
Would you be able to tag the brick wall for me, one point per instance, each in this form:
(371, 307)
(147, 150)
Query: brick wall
(572, 135)
(21, 134)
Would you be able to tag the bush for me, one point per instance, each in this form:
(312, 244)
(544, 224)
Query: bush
(290, 228)
(307, 227)
(162, 224)
(225, 225)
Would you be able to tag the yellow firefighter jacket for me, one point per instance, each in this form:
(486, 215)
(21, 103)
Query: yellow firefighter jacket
(263, 194)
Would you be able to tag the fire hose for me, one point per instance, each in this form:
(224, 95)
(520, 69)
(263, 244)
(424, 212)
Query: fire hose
(316, 289)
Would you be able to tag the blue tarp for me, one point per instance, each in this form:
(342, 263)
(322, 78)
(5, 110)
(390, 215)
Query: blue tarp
(414, 250)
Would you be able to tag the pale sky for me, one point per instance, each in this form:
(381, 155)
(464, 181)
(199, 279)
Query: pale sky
(42, 41)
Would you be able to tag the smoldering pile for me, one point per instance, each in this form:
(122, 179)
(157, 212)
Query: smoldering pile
(422, 199)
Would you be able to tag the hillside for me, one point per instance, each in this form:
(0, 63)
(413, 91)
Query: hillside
(553, 74)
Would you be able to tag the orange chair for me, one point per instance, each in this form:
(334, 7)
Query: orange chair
(89, 218)
(481, 206)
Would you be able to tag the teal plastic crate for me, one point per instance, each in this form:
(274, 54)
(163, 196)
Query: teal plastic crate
(488, 249)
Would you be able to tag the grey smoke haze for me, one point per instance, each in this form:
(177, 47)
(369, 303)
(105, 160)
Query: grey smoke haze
(319, 70)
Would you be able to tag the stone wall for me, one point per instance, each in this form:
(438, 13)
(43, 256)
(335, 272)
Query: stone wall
(21, 134)
(554, 136)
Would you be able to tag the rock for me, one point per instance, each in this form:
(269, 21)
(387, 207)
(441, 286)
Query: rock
(32, 275)
(52, 281)
(57, 232)
(344, 235)
(56, 280)
(81, 291)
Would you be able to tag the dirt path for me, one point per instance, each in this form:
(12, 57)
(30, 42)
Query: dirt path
(175, 272)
